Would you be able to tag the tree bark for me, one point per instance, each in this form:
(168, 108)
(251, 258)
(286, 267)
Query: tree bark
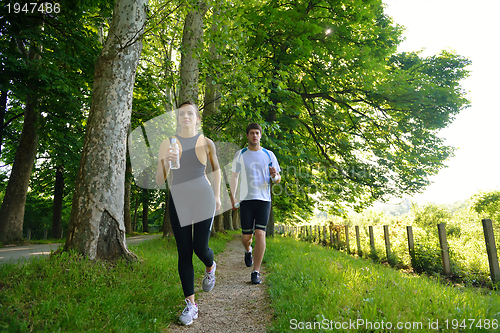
(145, 207)
(192, 43)
(58, 204)
(212, 93)
(228, 220)
(167, 226)
(3, 110)
(134, 224)
(96, 227)
(270, 224)
(219, 223)
(12, 213)
(127, 218)
(236, 219)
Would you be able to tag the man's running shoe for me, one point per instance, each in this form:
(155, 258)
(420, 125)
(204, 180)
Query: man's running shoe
(189, 314)
(248, 259)
(209, 279)
(256, 277)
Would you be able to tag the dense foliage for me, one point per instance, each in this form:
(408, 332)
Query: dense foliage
(350, 119)
(464, 233)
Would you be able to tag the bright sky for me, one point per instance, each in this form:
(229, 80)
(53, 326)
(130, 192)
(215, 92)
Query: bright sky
(472, 29)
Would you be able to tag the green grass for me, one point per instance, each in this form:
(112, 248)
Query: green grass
(67, 293)
(311, 284)
(307, 283)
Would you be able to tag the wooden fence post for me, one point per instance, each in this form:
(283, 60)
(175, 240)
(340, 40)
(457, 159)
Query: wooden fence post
(445, 254)
(324, 234)
(387, 241)
(491, 249)
(348, 248)
(358, 241)
(372, 240)
(331, 235)
(337, 237)
(411, 245)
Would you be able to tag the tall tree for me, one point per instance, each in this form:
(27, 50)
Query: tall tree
(127, 217)
(351, 121)
(191, 50)
(96, 226)
(12, 211)
(59, 81)
(58, 203)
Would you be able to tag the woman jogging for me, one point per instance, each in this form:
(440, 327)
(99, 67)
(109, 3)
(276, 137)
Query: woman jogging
(192, 202)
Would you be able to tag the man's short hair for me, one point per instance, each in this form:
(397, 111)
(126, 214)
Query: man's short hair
(254, 126)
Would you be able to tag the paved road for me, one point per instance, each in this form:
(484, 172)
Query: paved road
(18, 254)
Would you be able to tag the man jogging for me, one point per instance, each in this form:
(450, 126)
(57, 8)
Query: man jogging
(258, 168)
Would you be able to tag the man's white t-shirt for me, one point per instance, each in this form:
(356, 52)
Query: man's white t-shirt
(253, 167)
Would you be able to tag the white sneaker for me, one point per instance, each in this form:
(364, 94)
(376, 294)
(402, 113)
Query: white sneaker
(209, 279)
(190, 312)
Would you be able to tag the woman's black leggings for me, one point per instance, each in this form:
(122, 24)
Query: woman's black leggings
(189, 240)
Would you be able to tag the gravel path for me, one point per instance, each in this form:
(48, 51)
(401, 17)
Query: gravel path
(234, 305)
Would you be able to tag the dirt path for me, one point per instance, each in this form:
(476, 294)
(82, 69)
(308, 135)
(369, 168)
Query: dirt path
(234, 305)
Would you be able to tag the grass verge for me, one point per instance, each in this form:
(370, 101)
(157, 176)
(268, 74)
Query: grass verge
(320, 290)
(69, 293)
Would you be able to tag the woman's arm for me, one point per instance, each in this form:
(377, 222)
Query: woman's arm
(233, 185)
(163, 164)
(214, 161)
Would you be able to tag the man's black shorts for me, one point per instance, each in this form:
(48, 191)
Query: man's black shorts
(254, 215)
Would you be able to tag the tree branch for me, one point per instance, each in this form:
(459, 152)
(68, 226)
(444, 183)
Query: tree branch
(3, 126)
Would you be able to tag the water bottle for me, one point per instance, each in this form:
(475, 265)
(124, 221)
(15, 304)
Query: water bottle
(237, 205)
(174, 147)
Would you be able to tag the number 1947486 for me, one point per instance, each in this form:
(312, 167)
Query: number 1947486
(471, 323)
(33, 7)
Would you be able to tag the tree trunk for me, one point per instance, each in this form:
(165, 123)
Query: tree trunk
(145, 207)
(212, 94)
(219, 223)
(12, 212)
(192, 46)
(58, 203)
(228, 220)
(134, 224)
(270, 225)
(167, 226)
(127, 218)
(96, 227)
(236, 219)
(3, 110)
